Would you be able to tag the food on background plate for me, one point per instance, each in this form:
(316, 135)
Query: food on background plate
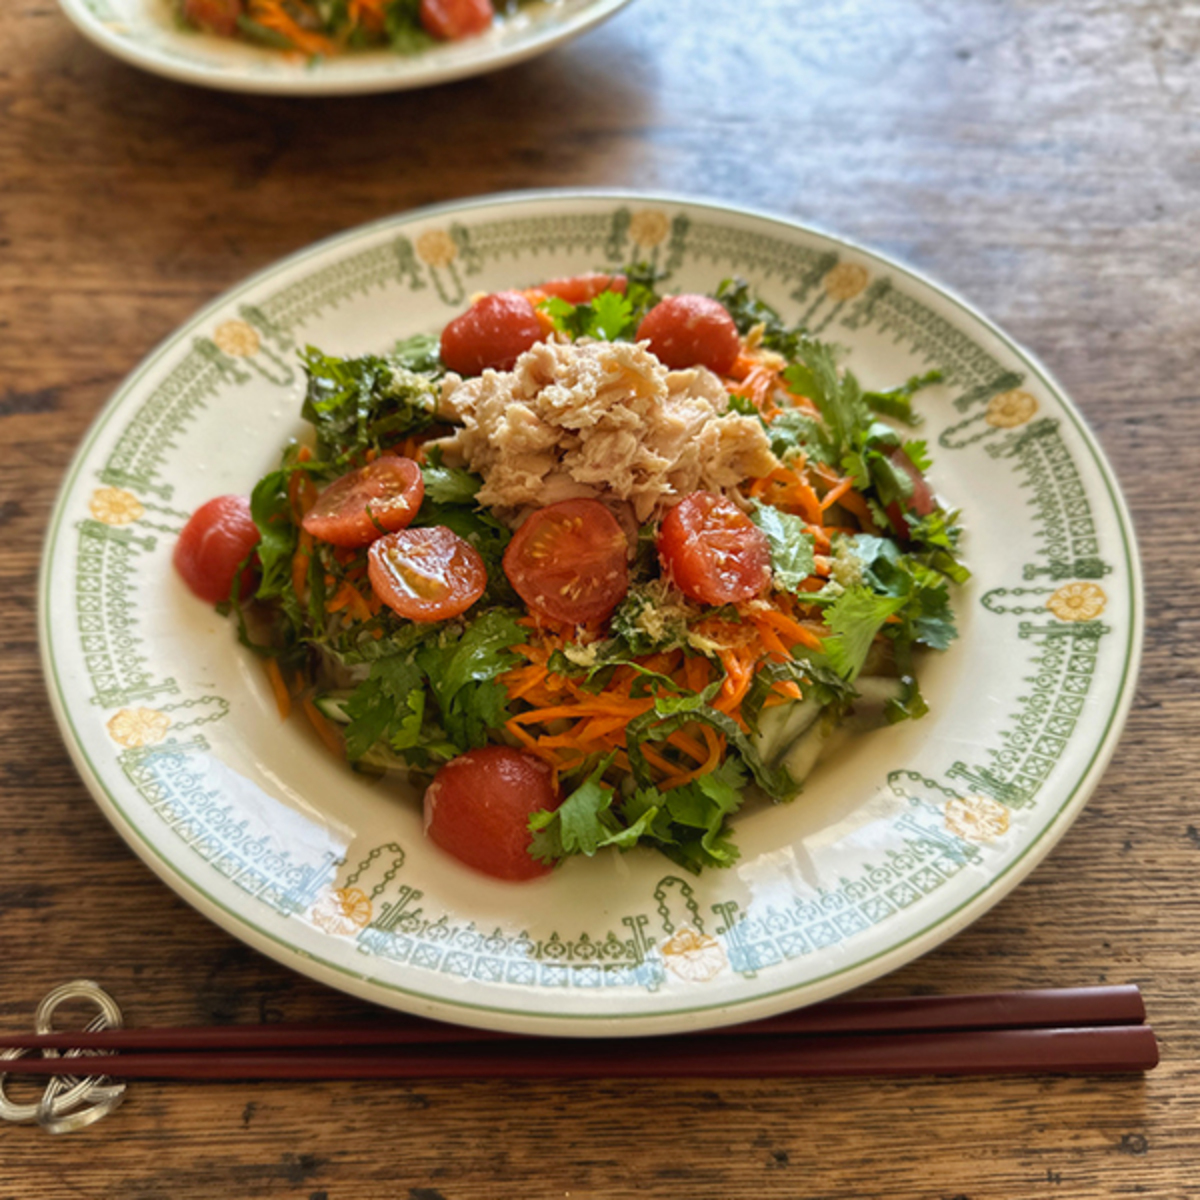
(327, 27)
(592, 567)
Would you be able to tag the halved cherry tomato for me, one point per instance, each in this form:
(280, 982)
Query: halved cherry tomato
(217, 16)
(713, 552)
(691, 331)
(217, 539)
(450, 20)
(379, 498)
(569, 561)
(580, 289)
(478, 808)
(920, 502)
(426, 574)
(493, 332)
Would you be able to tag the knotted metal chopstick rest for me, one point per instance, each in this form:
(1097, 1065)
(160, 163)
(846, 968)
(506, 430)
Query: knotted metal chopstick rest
(69, 1102)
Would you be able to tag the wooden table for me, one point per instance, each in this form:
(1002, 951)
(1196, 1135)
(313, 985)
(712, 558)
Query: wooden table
(1041, 158)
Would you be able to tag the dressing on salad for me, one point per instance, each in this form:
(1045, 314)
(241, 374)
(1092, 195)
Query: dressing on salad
(592, 566)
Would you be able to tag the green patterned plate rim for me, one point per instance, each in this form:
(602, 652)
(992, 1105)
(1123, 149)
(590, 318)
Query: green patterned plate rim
(145, 34)
(893, 846)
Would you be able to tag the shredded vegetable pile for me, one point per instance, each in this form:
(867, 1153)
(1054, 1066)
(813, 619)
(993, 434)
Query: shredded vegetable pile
(320, 28)
(660, 718)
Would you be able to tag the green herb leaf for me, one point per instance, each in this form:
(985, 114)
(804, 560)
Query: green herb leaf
(355, 404)
(855, 618)
(450, 485)
(792, 560)
(897, 403)
(581, 824)
(462, 670)
(388, 706)
(609, 317)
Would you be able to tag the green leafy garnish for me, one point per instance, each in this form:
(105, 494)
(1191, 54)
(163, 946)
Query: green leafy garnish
(792, 559)
(855, 618)
(608, 318)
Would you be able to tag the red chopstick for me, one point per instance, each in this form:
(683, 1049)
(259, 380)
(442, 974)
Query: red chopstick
(1037, 1008)
(1057, 1031)
(1098, 1049)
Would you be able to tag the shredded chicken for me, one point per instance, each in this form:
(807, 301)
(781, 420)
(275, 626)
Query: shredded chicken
(599, 419)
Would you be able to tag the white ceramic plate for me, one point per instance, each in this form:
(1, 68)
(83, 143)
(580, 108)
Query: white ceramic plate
(892, 848)
(145, 34)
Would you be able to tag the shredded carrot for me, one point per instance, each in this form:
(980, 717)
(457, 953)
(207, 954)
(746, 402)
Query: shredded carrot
(300, 562)
(788, 490)
(325, 730)
(836, 492)
(799, 634)
(283, 699)
(368, 13)
(302, 494)
(348, 596)
(271, 14)
(770, 639)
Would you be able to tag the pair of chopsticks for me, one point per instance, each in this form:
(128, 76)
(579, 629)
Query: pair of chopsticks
(1059, 1031)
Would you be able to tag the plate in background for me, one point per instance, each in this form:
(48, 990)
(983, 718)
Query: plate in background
(145, 34)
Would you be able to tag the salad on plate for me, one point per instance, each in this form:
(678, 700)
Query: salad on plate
(597, 567)
(327, 27)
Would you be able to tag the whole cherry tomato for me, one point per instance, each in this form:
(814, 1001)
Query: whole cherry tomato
(691, 331)
(493, 332)
(712, 551)
(478, 808)
(427, 573)
(569, 561)
(379, 498)
(219, 536)
(450, 20)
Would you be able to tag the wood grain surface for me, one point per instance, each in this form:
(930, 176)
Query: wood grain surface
(1040, 157)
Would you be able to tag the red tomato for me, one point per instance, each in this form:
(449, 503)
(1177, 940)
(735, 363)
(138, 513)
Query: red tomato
(493, 332)
(713, 552)
(214, 543)
(450, 20)
(691, 331)
(426, 574)
(569, 561)
(921, 501)
(379, 498)
(478, 808)
(580, 289)
(217, 16)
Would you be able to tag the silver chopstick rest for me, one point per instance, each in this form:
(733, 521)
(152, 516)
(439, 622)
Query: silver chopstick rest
(69, 1102)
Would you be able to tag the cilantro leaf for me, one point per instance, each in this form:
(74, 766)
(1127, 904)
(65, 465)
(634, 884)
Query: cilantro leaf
(791, 544)
(462, 672)
(581, 824)
(748, 311)
(402, 24)
(897, 402)
(271, 511)
(838, 397)
(689, 824)
(610, 317)
(854, 619)
(389, 705)
(449, 485)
